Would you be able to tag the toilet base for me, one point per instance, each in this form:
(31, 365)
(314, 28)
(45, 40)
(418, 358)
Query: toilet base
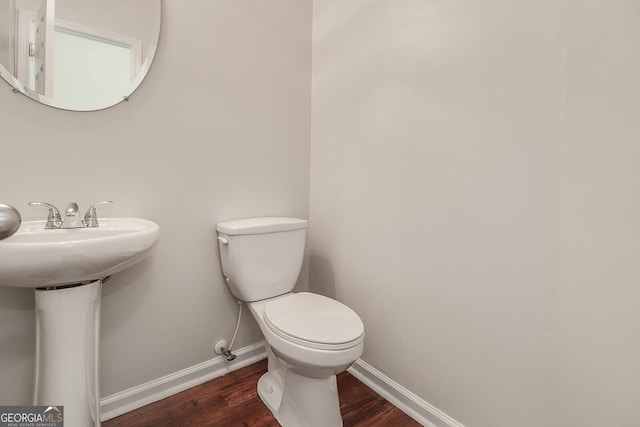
(296, 400)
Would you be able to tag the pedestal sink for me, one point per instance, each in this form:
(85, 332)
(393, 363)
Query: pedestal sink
(66, 268)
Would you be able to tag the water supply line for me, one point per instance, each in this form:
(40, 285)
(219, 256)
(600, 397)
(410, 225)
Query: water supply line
(227, 351)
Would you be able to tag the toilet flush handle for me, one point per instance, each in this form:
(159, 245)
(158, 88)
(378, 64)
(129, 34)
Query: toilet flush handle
(223, 240)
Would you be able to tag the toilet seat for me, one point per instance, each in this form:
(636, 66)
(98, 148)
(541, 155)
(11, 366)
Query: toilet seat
(314, 321)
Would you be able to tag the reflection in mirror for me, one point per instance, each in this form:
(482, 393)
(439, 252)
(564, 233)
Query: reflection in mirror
(77, 54)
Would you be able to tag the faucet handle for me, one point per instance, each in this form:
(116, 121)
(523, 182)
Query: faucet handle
(54, 219)
(91, 217)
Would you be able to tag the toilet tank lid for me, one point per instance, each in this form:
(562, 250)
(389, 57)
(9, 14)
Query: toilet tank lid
(261, 225)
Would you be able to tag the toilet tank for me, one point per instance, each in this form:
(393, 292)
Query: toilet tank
(261, 257)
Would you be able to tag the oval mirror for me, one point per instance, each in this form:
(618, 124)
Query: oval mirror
(80, 55)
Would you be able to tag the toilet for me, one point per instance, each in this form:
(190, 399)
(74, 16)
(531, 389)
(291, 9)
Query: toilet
(309, 338)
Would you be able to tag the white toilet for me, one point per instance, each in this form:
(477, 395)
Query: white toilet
(310, 338)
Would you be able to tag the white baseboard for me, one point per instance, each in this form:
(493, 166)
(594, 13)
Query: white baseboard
(421, 411)
(152, 391)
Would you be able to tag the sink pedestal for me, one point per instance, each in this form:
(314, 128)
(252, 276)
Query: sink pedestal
(68, 316)
(67, 352)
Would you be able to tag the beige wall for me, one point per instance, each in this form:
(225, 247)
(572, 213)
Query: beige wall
(218, 130)
(474, 198)
(599, 319)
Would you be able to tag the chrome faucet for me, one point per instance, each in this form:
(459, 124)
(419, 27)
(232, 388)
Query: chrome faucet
(71, 218)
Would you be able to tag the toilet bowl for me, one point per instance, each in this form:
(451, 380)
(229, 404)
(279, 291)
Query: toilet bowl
(317, 335)
(305, 353)
(309, 338)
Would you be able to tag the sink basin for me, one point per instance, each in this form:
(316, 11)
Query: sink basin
(35, 257)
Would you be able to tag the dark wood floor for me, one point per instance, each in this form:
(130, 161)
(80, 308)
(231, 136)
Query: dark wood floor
(232, 400)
